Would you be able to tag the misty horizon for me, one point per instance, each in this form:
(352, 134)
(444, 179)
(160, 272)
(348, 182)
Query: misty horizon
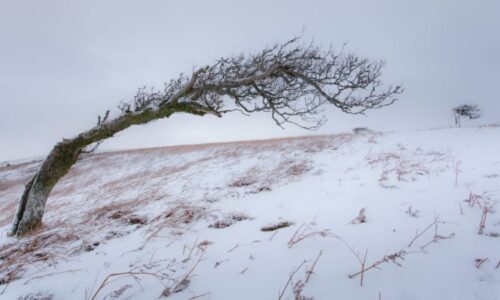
(65, 63)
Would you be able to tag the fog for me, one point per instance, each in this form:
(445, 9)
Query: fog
(64, 62)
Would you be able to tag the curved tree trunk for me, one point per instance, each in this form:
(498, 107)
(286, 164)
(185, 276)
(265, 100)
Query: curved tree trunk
(289, 80)
(32, 203)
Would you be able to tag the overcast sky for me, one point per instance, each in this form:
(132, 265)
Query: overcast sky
(64, 62)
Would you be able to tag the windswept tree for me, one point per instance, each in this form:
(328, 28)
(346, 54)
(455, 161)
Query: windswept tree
(290, 81)
(469, 111)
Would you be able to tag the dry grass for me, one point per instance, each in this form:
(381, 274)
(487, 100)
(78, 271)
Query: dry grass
(107, 205)
(403, 165)
(361, 218)
(399, 256)
(479, 261)
(305, 231)
(395, 258)
(412, 212)
(300, 284)
(486, 205)
(40, 248)
(171, 284)
(177, 219)
(37, 296)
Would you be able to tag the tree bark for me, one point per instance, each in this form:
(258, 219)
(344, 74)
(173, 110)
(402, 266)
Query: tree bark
(57, 164)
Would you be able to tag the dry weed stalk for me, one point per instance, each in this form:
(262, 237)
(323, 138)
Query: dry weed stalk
(419, 234)
(310, 271)
(176, 217)
(305, 232)
(290, 278)
(486, 205)
(437, 237)
(361, 218)
(482, 223)
(486, 208)
(106, 280)
(51, 274)
(234, 248)
(238, 245)
(362, 261)
(457, 171)
(184, 282)
(297, 291)
(40, 250)
(177, 285)
(396, 257)
(387, 258)
(480, 261)
(473, 199)
(199, 296)
(405, 166)
(412, 213)
(272, 236)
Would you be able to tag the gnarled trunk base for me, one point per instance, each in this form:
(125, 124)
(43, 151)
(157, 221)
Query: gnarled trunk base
(57, 164)
(32, 203)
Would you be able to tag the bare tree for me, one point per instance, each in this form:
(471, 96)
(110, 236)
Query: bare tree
(469, 111)
(291, 81)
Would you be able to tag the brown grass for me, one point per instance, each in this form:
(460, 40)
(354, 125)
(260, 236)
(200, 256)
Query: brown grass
(39, 247)
(49, 243)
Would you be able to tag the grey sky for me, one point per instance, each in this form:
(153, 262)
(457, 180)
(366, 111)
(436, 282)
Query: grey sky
(63, 62)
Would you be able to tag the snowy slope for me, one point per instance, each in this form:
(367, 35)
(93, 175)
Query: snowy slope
(186, 221)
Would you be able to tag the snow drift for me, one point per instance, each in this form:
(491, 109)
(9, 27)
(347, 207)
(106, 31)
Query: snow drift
(408, 215)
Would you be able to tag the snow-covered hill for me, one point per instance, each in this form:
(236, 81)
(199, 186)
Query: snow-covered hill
(295, 218)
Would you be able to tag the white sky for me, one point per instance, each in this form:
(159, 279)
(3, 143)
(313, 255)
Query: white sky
(63, 62)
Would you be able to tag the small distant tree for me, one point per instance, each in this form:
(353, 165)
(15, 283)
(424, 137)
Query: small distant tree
(470, 111)
(290, 81)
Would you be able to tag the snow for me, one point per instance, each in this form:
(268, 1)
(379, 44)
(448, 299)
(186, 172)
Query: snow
(156, 211)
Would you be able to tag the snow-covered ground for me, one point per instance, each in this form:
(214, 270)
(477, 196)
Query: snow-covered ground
(186, 222)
